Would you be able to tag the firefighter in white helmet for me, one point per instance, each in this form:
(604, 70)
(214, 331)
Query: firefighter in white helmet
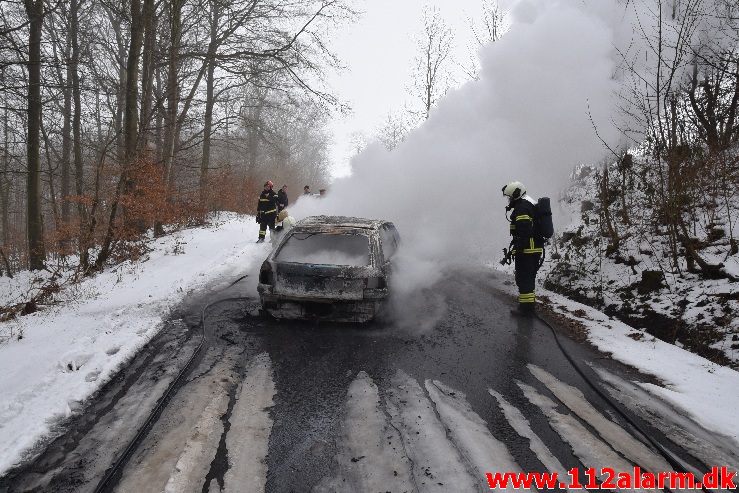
(526, 248)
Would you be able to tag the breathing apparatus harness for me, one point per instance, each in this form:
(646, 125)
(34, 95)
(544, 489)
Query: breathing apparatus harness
(509, 253)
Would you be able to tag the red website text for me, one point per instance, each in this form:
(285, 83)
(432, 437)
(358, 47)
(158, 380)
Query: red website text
(609, 479)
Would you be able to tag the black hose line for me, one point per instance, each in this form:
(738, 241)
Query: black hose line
(663, 452)
(154, 415)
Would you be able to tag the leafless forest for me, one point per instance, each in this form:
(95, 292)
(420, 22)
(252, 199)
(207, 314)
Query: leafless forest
(117, 117)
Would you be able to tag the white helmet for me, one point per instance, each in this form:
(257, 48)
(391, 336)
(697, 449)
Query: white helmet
(514, 190)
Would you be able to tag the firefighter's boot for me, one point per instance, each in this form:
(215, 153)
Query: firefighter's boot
(525, 310)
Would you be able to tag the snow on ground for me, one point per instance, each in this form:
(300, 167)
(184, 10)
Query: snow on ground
(705, 391)
(70, 350)
(693, 311)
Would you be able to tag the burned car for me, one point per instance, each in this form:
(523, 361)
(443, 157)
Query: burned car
(329, 268)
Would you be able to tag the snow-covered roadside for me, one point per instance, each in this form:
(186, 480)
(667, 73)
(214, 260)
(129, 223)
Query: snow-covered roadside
(704, 391)
(70, 350)
(692, 310)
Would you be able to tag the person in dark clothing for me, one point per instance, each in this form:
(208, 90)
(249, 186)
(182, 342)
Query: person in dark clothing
(525, 246)
(282, 198)
(266, 211)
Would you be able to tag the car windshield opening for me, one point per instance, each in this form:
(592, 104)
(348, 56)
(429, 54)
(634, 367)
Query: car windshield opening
(326, 248)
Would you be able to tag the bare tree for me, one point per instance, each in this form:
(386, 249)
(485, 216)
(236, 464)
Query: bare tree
(487, 29)
(130, 127)
(5, 176)
(172, 88)
(432, 76)
(259, 54)
(493, 23)
(36, 248)
(148, 74)
(394, 128)
(215, 13)
(683, 88)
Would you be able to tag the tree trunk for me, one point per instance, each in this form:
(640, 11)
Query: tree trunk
(614, 242)
(253, 132)
(209, 102)
(130, 130)
(36, 250)
(173, 89)
(49, 163)
(130, 115)
(207, 132)
(159, 122)
(147, 74)
(115, 24)
(77, 115)
(5, 183)
(625, 164)
(693, 257)
(67, 126)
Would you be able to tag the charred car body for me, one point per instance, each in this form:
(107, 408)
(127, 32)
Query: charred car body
(330, 268)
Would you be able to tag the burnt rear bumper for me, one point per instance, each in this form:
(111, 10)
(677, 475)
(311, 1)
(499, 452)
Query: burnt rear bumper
(293, 308)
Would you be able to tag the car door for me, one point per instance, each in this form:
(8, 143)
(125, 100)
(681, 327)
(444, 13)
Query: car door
(389, 242)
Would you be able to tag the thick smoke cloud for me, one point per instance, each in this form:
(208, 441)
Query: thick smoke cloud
(530, 117)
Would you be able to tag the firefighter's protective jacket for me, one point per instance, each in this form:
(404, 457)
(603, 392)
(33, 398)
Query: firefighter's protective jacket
(267, 202)
(281, 200)
(522, 228)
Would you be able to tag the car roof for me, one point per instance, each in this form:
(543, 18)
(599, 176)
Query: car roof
(327, 223)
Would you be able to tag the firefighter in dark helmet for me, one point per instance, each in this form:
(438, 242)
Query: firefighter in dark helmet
(526, 248)
(266, 211)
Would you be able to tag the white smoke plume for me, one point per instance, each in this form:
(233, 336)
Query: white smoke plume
(530, 117)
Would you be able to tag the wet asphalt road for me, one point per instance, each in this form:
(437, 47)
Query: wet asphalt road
(472, 346)
(475, 346)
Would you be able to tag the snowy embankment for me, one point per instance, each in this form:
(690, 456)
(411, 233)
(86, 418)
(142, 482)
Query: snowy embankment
(635, 279)
(53, 360)
(699, 389)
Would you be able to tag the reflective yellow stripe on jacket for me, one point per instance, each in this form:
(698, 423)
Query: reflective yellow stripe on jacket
(267, 200)
(531, 248)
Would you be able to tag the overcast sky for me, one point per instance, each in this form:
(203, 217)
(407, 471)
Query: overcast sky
(378, 51)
